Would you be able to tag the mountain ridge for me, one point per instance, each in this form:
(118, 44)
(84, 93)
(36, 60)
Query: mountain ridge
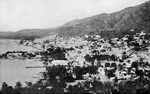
(109, 25)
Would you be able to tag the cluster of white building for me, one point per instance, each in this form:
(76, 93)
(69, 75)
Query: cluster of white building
(122, 48)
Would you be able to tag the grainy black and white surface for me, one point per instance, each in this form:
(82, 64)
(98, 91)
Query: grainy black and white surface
(108, 53)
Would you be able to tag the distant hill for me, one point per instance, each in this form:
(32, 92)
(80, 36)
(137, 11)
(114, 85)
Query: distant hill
(108, 25)
(26, 34)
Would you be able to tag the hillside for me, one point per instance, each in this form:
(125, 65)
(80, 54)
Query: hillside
(109, 25)
(137, 18)
(26, 34)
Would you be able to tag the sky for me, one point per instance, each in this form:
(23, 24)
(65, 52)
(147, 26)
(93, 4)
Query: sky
(24, 14)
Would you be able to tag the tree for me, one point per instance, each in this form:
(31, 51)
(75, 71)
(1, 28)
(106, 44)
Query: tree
(4, 87)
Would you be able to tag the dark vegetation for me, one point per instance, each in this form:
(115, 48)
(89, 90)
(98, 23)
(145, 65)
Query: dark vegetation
(57, 85)
(55, 78)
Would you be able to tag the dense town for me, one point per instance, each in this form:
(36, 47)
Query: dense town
(87, 64)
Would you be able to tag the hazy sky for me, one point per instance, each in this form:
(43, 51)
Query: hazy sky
(21, 14)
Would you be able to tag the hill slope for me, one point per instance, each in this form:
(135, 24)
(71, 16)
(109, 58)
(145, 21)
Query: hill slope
(109, 25)
(137, 18)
